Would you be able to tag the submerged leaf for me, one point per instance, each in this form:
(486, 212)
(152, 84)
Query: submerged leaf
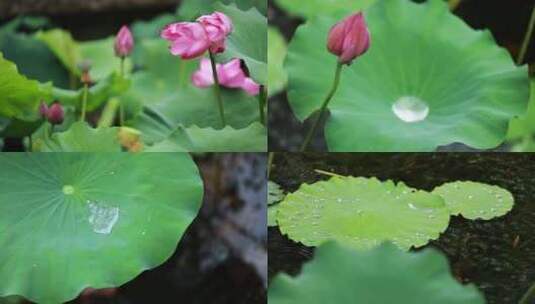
(362, 213)
(475, 200)
(73, 220)
(381, 275)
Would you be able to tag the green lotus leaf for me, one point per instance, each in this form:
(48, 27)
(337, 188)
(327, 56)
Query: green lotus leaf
(381, 275)
(277, 77)
(415, 89)
(19, 96)
(248, 41)
(194, 139)
(80, 137)
(524, 126)
(475, 200)
(77, 220)
(63, 45)
(34, 59)
(362, 213)
(191, 9)
(315, 8)
(111, 86)
(101, 54)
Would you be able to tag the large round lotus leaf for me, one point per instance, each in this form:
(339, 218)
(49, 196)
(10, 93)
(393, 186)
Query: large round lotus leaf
(80, 137)
(75, 220)
(428, 80)
(382, 275)
(362, 213)
(475, 200)
(194, 139)
(315, 8)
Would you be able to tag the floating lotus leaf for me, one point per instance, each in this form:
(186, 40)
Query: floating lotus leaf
(75, 220)
(277, 77)
(475, 200)
(362, 213)
(315, 8)
(248, 41)
(195, 139)
(19, 96)
(381, 275)
(80, 137)
(428, 80)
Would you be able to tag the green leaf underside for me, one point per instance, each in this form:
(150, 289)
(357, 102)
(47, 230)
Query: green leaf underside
(381, 275)
(248, 40)
(277, 49)
(470, 85)
(76, 220)
(361, 213)
(316, 8)
(475, 200)
(195, 139)
(19, 96)
(80, 137)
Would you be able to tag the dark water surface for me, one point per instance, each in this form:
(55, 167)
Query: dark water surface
(498, 256)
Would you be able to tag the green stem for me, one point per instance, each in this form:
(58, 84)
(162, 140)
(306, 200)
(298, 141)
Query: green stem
(30, 142)
(84, 101)
(262, 99)
(527, 38)
(314, 128)
(529, 296)
(329, 173)
(217, 90)
(108, 114)
(271, 156)
(453, 4)
(121, 108)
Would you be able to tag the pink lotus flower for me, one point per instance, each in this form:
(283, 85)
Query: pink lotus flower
(188, 39)
(349, 38)
(230, 74)
(218, 26)
(124, 42)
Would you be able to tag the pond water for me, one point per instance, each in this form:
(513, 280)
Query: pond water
(498, 255)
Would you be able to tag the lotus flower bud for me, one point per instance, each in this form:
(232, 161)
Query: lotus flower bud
(349, 38)
(124, 42)
(218, 26)
(55, 114)
(43, 110)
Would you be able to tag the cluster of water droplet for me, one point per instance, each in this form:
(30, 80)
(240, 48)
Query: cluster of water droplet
(102, 217)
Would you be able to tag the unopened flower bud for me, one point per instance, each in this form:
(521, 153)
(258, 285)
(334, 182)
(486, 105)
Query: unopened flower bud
(349, 38)
(55, 114)
(43, 110)
(124, 42)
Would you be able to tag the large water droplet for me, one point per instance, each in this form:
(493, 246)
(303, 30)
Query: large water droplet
(410, 109)
(101, 217)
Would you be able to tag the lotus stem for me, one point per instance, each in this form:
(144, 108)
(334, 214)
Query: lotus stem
(453, 4)
(529, 296)
(108, 114)
(271, 156)
(527, 38)
(261, 104)
(328, 173)
(30, 142)
(217, 90)
(84, 102)
(121, 107)
(314, 128)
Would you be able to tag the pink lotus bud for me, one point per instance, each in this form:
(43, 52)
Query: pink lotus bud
(124, 42)
(55, 114)
(218, 26)
(230, 74)
(349, 38)
(188, 39)
(43, 110)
